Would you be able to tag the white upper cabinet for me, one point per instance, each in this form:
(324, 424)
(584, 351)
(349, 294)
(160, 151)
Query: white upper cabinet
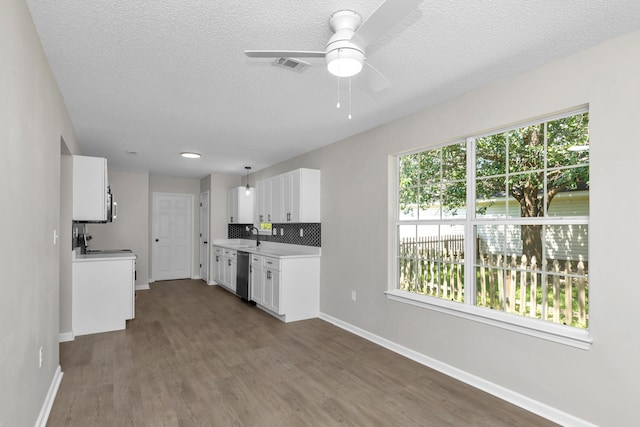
(276, 199)
(240, 205)
(301, 196)
(291, 197)
(259, 211)
(89, 188)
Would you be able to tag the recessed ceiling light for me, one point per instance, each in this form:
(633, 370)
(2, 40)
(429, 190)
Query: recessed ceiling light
(190, 155)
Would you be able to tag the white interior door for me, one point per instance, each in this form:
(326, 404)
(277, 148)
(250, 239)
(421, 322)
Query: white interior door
(172, 237)
(204, 236)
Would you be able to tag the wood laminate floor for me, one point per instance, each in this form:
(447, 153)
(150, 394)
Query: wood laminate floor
(196, 355)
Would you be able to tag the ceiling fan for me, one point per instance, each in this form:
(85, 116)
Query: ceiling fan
(345, 50)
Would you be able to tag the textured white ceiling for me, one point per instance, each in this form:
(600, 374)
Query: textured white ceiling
(164, 76)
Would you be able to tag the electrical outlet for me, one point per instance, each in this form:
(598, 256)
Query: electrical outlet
(40, 357)
(353, 295)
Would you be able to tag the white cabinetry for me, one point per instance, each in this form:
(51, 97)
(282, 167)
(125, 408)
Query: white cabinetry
(288, 288)
(258, 211)
(276, 198)
(256, 278)
(290, 197)
(301, 196)
(263, 201)
(225, 267)
(271, 276)
(218, 263)
(240, 205)
(103, 295)
(89, 188)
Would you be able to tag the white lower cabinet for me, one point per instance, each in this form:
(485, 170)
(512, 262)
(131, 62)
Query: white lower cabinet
(225, 267)
(256, 279)
(288, 288)
(271, 277)
(230, 273)
(103, 295)
(217, 264)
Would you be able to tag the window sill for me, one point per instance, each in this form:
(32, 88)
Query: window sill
(562, 334)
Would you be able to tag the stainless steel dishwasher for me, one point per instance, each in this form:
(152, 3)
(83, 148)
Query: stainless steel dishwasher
(242, 278)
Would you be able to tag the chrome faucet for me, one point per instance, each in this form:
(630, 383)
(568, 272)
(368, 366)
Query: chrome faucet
(251, 228)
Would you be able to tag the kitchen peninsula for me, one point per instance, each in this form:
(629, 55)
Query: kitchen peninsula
(103, 291)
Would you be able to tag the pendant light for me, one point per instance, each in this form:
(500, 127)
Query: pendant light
(248, 191)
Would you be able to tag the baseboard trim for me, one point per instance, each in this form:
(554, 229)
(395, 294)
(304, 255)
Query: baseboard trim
(143, 287)
(197, 277)
(66, 336)
(531, 405)
(48, 400)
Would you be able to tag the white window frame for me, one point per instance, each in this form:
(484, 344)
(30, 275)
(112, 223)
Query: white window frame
(539, 328)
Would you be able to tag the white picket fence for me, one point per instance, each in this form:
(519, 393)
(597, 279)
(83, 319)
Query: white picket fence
(557, 291)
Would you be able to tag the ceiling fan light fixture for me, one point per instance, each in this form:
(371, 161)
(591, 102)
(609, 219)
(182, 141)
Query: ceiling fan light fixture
(345, 62)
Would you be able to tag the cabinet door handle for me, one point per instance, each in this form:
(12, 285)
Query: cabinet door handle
(231, 219)
(288, 216)
(229, 262)
(261, 218)
(217, 258)
(269, 218)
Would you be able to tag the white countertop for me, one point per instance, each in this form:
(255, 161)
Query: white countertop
(271, 249)
(76, 256)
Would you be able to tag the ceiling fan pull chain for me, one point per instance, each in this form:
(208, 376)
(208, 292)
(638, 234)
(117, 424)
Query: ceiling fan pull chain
(338, 104)
(349, 98)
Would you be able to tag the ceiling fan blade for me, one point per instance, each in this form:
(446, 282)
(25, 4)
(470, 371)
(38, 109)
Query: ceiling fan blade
(384, 17)
(375, 79)
(284, 54)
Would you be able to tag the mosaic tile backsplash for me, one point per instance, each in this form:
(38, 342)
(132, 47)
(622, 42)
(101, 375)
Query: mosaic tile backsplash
(311, 233)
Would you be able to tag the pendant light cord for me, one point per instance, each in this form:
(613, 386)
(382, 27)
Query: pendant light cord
(349, 98)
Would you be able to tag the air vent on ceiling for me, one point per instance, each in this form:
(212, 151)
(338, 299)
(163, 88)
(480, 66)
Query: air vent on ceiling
(291, 63)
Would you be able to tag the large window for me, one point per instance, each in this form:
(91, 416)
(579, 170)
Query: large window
(500, 222)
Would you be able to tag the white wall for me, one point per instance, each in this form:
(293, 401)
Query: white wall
(218, 185)
(130, 230)
(66, 213)
(33, 118)
(598, 385)
(169, 184)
